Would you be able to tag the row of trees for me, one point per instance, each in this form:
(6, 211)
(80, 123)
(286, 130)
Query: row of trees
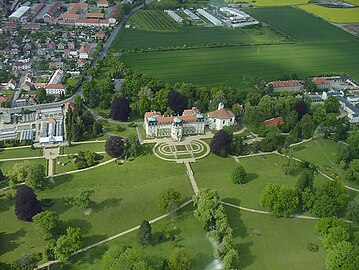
(210, 213)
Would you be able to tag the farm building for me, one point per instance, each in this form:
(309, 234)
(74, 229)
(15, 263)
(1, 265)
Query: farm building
(174, 16)
(220, 118)
(193, 16)
(209, 17)
(321, 83)
(19, 13)
(290, 86)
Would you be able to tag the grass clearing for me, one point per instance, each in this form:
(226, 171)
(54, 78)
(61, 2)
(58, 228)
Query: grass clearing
(152, 20)
(299, 24)
(336, 15)
(123, 198)
(20, 152)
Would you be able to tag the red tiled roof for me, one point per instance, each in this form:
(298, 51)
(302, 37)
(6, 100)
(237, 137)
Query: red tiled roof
(55, 86)
(3, 99)
(102, 2)
(319, 81)
(285, 83)
(149, 114)
(53, 9)
(221, 114)
(165, 119)
(85, 48)
(188, 118)
(278, 121)
(95, 15)
(39, 7)
(69, 16)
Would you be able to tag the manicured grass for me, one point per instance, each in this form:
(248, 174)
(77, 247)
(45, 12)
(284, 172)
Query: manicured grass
(300, 25)
(153, 20)
(215, 172)
(267, 243)
(20, 153)
(129, 39)
(75, 148)
(110, 127)
(322, 153)
(5, 166)
(189, 233)
(123, 198)
(337, 15)
(210, 67)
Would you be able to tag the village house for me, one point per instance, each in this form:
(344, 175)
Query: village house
(102, 4)
(321, 83)
(84, 51)
(286, 86)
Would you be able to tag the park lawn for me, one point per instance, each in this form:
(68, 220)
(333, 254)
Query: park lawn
(267, 243)
(6, 166)
(299, 24)
(111, 127)
(260, 170)
(20, 152)
(190, 235)
(75, 148)
(210, 67)
(123, 198)
(322, 153)
(70, 165)
(130, 39)
(336, 15)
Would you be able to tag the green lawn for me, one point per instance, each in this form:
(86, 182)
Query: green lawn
(123, 198)
(110, 127)
(268, 243)
(75, 148)
(20, 153)
(215, 172)
(128, 39)
(299, 24)
(264, 3)
(322, 153)
(185, 226)
(336, 15)
(5, 166)
(153, 20)
(210, 67)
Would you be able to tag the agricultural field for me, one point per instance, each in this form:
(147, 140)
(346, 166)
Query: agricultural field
(152, 20)
(265, 3)
(210, 67)
(300, 25)
(117, 192)
(336, 15)
(129, 39)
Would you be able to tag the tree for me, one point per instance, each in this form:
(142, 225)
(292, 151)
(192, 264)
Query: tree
(332, 105)
(324, 224)
(115, 146)
(301, 108)
(83, 199)
(2, 176)
(68, 243)
(120, 109)
(145, 105)
(26, 262)
(177, 101)
(279, 200)
(47, 223)
(231, 260)
(40, 95)
(342, 256)
(353, 171)
(305, 180)
(124, 258)
(168, 200)
(26, 203)
(352, 212)
(19, 171)
(319, 115)
(221, 143)
(144, 235)
(206, 202)
(239, 175)
(97, 128)
(36, 177)
(178, 260)
(334, 236)
(133, 146)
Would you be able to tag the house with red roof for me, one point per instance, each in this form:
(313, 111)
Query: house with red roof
(274, 122)
(102, 3)
(321, 83)
(220, 118)
(286, 86)
(85, 51)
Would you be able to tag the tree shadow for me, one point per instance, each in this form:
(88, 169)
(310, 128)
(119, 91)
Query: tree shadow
(10, 240)
(84, 225)
(60, 180)
(57, 205)
(246, 257)
(89, 240)
(105, 204)
(5, 203)
(88, 257)
(251, 177)
(173, 235)
(202, 261)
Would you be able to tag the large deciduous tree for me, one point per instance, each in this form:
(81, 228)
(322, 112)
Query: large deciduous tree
(206, 202)
(47, 223)
(120, 109)
(68, 243)
(19, 171)
(115, 146)
(221, 143)
(343, 256)
(168, 200)
(124, 258)
(178, 260)
(36, 177)
(177, 101)
(352, 211)
(26, 203)
(279, 200)
(239, 175)
(133, 146)
(332, 105)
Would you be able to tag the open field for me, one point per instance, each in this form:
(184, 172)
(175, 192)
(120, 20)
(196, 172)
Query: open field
(265, 3)
(75, 148)
(189, 233)
(336, 15)
(208, 175)
(210, 67)
(129, 39)
(267, 243)
(153, 20)
(20, 153)
(300, 25)
(322, 153)
(123, 198)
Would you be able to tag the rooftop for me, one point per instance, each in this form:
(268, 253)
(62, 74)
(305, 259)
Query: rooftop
(221, 114)
(277, 121)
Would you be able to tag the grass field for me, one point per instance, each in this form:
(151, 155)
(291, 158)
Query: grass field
(336, 15)
(265, 3)
(299, 24)
(128, 39)
(153, 20)
(20, 153)
(123, 198)
(5, 166)
(228, 66)
(75, 148)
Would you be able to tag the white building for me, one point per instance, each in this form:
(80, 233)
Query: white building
(190, 123)
(55, 89)
(51, 131)
(57, 77)
(352, 110)
(220, 118)
(20, 12)
(174, 16)
(209, 17)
